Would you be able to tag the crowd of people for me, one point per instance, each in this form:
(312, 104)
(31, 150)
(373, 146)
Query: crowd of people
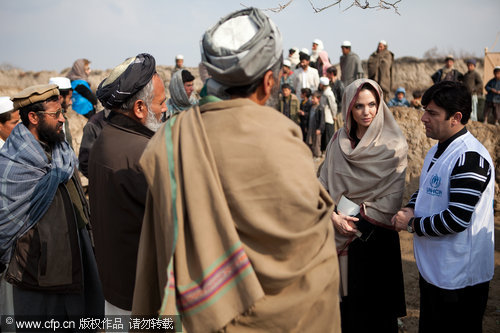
(209, 206)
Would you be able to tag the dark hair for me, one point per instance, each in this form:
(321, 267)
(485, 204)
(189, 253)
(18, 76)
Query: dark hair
(35, 107)
(317, 94)
(417, 94)
(245, 91)
(291, 51)
(5, 116)
(64, 92)
(452, 96)
(332, 70)
(286, 86)
(306, 91)
(368, 86)
(187, 76)
(304, 56)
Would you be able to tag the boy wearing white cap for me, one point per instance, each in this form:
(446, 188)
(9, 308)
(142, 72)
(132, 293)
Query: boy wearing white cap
(8, 118)
(65, 95)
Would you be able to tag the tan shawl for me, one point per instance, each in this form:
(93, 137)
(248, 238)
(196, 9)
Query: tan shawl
(77, 72)
(372, 174)
(245, 189)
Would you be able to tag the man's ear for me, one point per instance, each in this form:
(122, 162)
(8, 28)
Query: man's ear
(457, 118)
(33, 118)
(268, 83)
(140, 109)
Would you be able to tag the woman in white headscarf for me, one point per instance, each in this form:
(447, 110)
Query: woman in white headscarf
(364, 172)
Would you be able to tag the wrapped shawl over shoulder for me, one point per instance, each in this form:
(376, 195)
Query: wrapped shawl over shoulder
(232, 238)
(28, 183)
(372, 174)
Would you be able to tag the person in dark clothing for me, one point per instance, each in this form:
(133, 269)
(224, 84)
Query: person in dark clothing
(135, 96)
(448, 72)
(45, 230)
(336, 85)
(305, 107)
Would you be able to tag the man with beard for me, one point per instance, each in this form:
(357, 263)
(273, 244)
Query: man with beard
(44, 229)
(380, 68)
(65, 95)
(134, 94)
(236, 234)
(306, 76)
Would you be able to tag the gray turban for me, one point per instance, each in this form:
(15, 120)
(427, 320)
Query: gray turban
(126, 79)
(241, 47)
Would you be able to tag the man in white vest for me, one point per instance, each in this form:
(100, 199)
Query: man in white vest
(451, 216)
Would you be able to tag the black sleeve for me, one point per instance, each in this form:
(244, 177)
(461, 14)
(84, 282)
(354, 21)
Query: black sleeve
(87, 93)
(469, 178)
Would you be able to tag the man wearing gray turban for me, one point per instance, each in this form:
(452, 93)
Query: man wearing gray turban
(134, 96)
(236, 234)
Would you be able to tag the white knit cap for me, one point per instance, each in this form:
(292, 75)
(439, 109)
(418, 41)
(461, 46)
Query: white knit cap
(304, 50)
(287, 63)
(179, 57)
(383, 42)
(61, 82)
(346, 43)
(324, 81)
(6, 104)
(317, 41)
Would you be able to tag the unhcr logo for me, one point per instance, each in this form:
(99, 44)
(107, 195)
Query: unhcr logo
(435, 183)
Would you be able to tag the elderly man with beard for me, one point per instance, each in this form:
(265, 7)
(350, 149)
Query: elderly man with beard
(380, 68)
(44, 216)
(135, 96)
(236, 234)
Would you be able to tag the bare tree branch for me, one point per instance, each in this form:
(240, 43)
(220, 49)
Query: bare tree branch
(363, 4)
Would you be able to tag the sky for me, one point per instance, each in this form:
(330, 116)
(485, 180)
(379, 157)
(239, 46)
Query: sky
(51, 34)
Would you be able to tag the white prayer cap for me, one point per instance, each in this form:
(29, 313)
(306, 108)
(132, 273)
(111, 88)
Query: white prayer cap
(304, 50)
(6, 104)
(317, 41)
(346, 43)
(61, 82)
(383, 42)
(324, 81)
(287, 63)
(179, 57)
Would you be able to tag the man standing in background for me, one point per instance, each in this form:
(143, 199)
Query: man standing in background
(350, 65)
(380, 68)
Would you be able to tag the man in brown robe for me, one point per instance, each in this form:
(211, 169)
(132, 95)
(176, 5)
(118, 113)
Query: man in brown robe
(236, 234)
(380, 68)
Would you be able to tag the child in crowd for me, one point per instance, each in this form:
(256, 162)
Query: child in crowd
(316, 125)
(305, 107)
(399, 98)
(493, 97)
(416, 102)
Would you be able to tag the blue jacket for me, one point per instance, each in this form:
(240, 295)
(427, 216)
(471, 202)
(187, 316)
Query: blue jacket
(81, 105)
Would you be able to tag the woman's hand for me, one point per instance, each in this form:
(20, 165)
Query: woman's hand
(344, 224)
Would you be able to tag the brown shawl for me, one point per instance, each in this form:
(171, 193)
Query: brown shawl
(77, 72)
(245, 189)
(373, 173)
